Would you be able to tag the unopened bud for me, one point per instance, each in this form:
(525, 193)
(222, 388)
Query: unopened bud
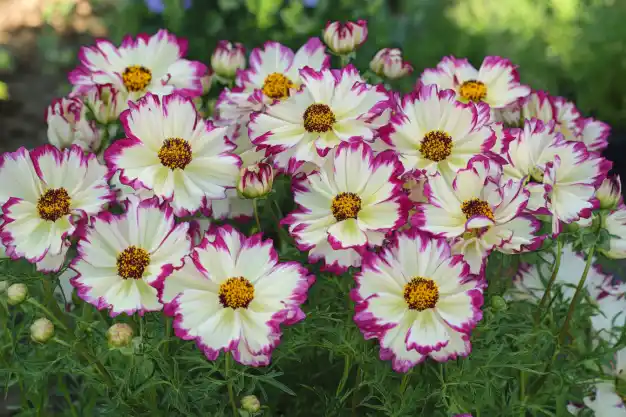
(388, 62)
(41, 330)
(609, 193)
(498, 303)
(250, 403)
(256, 180)
(17, 293)
(228, 58)
(120, 335)
(343, 38)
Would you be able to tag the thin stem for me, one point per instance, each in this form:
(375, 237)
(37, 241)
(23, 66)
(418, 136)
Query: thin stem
(579, 288)
(89, 358)
(256, 213)
(344, 60)
(168, 333)
(229, 383)
(405, 381)
(555, 272)
(66, 395)
(357, 384)
(48, 313)
(52, 302)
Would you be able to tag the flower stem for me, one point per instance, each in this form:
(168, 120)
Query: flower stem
(229, 383)
(48, 313)
(168, 333)
(344, 60)
(357, 384)
(89, 358)
(555, 272)
(256, 213)
(579, 288)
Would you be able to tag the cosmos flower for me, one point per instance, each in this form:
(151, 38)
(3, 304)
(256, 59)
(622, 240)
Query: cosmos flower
(418, 300)
(615, 224)
(433, 132)
(146, 64)
(350, 203)
(331, 109)
(46, 193)
(233, 295)
(479, 212)
(68, 125)
(169, 149)
(120, 255)
(495, 83)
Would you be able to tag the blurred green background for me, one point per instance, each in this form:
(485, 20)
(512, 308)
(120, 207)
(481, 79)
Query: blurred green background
(573, 48)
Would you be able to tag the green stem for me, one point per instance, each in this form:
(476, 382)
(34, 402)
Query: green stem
(48, 313)
(256, 214)
(555, 272)
(405, 381)
(229, 383)
(52, 302)
(579, 288)
(66, 395)
(344, 60)
(357, 384)
(168, 333)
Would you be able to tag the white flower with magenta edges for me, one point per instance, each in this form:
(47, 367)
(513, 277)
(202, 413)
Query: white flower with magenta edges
(479, 212)
(343, 38)
(495, 83)
(145, 64)
(119, 256)
(433, 132)
(418, 300)
(233, 295)
(332, 109)
(172, 151)
(68, 125)
(46, 192)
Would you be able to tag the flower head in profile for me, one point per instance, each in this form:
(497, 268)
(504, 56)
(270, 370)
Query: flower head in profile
(615, 224)
(46, 192)
(351, 202)
(119, 256)
(496, 82)
(228, 58)
(389, 63)
(145, 64)
(169, 149)
(333, 108)
(68, 125)
(105, 102)
(562, 176)
(418, 301)
(275, 69)
(233, 295)
(433, 132)
(343, 38)
(479, 211)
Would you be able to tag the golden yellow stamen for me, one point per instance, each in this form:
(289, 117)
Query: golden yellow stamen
(175, 153)
(421, 294)
(132, 262)
(345, 206)
(277, 86)
(476, 207)
(436, 146)
(54, 204)
(136, 78)
(473, 90)
(318, 118)
(236, 292)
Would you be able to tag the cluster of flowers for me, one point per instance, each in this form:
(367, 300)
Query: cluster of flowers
(415, 191)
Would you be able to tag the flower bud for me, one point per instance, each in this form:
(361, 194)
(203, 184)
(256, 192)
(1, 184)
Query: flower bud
(498, 303)
(207, 82)
(68, 125)
(106, 103)
(609, 192)
(250, 403)
(16, 294)
(256, 180)
(343, 38)
(388, 62)
(119, 335)
(41, 330)
(228, 58)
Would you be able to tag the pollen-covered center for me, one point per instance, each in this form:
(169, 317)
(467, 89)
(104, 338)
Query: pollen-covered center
(345, 206)
(132, 262)
(473, 90)
(436, 145)
(476, 207)
(136, 78)
(277, 86)
(318, 118)
(236, 292)
(175, 153)
(421, 293)
(54, 204)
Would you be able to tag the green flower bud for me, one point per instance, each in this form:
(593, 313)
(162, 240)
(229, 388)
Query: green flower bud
(41, 330)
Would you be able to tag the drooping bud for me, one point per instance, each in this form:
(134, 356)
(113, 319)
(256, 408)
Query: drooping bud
(68, 125)
(256, 180)
(343, 38)
(120, 335)
(388, 62)
(228, 58)
(41, 330)
(250, 403)
(609, 193)
(16, 294)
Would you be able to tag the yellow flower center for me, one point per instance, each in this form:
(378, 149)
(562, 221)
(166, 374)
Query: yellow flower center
(136, 78)
(277, 86)
(421, 294)
(132, 262)
(345, 206)
(175, 153)
(436, 145)
(54, 204)
(473, 90)
(236, 292)
(318, 118)
(476, 207)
